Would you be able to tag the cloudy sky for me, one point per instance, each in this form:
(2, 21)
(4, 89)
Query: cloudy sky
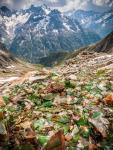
(63, 5)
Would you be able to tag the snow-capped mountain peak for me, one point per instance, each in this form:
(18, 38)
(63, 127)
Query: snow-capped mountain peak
(45, 31)
(43, 9)
(13, 20)
(36, 31)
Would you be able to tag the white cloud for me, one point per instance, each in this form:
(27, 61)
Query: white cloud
(101, 2)
(74, 4)
(64, 5)
(96, 5)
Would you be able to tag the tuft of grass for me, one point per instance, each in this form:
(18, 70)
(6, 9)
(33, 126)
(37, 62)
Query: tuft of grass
(6, 99)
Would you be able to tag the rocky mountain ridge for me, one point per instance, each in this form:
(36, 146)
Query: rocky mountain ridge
(36, 31)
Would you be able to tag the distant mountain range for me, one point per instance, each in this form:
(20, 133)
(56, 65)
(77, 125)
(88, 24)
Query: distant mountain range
(36, 32)
(47, 31)
(101, 23)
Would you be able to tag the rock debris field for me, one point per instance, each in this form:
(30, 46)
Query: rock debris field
(68, 107)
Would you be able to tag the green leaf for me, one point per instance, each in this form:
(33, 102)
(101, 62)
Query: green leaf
(43, 139)
(89, 87)
(48, 104)
(96, 114)
(66, 129)
(82, 122)
(6, 99)
(76, 138)
(86, 134)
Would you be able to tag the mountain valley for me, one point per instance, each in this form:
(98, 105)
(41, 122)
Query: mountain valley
(56, 79)
(37, 31)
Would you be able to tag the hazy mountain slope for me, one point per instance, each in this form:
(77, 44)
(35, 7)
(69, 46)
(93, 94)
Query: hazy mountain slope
(53, 58)
(90, 58)
(104, 23)
(102, 47)
(105, 45)
(85, 18)
(101, 23)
